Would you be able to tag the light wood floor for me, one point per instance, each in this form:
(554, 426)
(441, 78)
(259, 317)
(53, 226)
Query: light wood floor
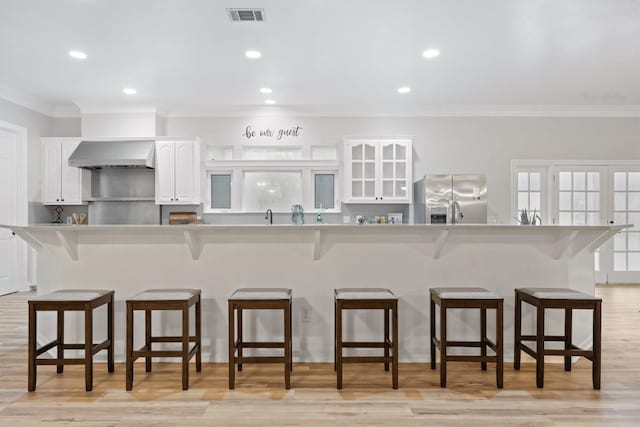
(367, 400)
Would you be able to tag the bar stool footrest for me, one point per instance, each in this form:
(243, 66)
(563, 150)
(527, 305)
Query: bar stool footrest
(260, 359)
(366, 344)
(367, 359)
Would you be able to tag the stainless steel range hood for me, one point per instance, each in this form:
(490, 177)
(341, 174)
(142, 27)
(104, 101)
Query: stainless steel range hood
(118, 153)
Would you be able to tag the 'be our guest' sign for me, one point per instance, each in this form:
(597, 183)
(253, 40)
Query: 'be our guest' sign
(277, 134)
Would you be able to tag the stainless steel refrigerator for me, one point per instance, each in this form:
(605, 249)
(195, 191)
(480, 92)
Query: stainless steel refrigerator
(450, 199)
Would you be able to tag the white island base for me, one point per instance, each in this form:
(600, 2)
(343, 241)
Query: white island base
(312, 260)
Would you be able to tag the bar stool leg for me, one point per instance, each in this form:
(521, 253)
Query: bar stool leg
(232, 347)
(540, 347)
(335, 335)
(31, 385)
(88, 348)
(517, 332)
(443, 345)
(483, 337)
(386, 339)
(500, 344)
(338, 321)
(198, 336)
(291, 336)
(568, 328)
(287, 347)
(239, 317)
(60, 366)
(395, 345)
(597, 345)
(129, 373)
(110, 355)
(147, 339)
(185, 347)
(432, 331)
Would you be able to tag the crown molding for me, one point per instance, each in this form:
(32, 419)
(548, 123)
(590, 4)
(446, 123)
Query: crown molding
(66, 111)
(595, 111)
(77, 108)
(26, 100)
(106, 107)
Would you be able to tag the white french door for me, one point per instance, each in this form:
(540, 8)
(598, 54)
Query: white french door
(580, 198)
(8, 212)
(624, 208)
(594, 195)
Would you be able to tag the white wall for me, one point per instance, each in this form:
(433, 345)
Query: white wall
(66, 127)
(38, 125)
(451, 144)
(118, 125)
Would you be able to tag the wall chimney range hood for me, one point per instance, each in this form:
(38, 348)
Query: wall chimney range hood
(113, 153)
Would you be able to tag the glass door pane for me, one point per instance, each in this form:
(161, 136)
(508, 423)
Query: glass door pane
(581, 200)
(625, 209)
(394, 170)
(579, 197)
(363, 170)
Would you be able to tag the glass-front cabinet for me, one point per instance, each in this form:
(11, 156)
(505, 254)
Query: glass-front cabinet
(378, 170)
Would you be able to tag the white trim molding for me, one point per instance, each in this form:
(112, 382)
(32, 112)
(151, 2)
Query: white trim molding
(26, 100)
(22, 213)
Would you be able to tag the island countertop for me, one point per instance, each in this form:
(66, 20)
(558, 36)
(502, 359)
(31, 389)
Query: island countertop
(314, 259)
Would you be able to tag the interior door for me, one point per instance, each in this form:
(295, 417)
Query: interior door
(624, 252)
(580, 198)
(8, 212)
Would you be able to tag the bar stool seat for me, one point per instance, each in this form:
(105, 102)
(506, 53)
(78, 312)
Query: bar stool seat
(70, 300)
(557, 294)
(259, 299)
(464, 293)
(165, 299)
(261, 294)
(368, 299)
(464, 298)
(564, 299)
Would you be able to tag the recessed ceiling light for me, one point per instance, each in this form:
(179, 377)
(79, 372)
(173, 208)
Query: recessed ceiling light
(431, 53)
(129, 91)
(252, 54)
(265, 90)
(269, 102)
(404, 89)
(77, 54)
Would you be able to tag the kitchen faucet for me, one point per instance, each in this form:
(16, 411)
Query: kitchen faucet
(269, 217)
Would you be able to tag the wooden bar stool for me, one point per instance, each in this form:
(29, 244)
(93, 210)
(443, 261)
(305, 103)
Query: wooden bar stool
(70, 300)
(165, 299)
(259, 299)
(476, 298)
(367, 299)
(563, 299)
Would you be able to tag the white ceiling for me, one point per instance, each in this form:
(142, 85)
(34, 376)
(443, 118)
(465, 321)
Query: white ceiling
(325, 56)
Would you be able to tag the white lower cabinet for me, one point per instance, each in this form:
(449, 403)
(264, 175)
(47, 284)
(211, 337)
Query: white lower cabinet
(178, 172)
(63, 184)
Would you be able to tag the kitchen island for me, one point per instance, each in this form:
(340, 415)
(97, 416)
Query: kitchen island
(312, 260)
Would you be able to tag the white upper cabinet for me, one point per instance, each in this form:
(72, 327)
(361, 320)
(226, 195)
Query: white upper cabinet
(378, 170)
(177, 172)
(62, 184)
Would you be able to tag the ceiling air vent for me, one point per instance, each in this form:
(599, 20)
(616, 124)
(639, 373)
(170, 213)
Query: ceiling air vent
(246, 15)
